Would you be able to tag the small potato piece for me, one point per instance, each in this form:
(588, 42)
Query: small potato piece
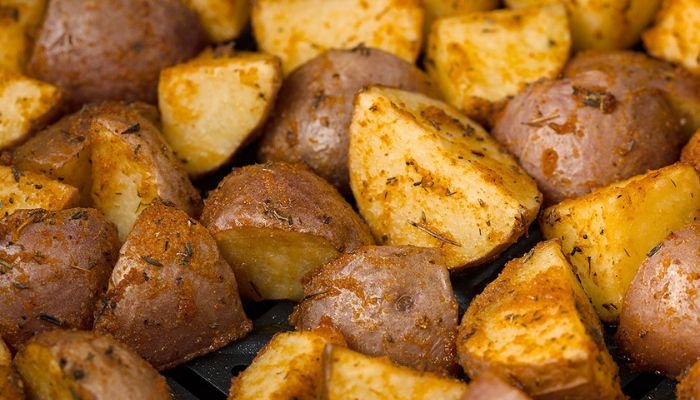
(299, 30)
(53, 267)
(78, 51)
(276, 222)
(172, 297)
(26, 104)
(13, 42)
(488, 386)
(435, 9)
(425, 175)
(584, 132)
(222, 20)
(65, 365)
(680, 87)
(535, 325)
(607, 234)
(213, 104)
(11, 386)
(402, 305)
(132, 166)
(689, 386)
(603, 25)
(350, 376)
(479, 60)
(675, 36)
(28, 190)
(290, 366)
(311, 121)
(660, 317)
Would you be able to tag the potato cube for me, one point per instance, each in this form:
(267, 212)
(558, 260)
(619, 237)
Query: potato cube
(213, 104)
(534, 324)
(607, 234)
(425, 175)
(28, 190)
(676, 35)
(290, 366)
(480, 59)
(26, 104)
(13, 42)
(222, 19)
(299, 30)
(350, 375)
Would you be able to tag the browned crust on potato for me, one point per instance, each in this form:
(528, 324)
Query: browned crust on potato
(691, 151)
(77, 50)
(53, 267)
(314, 107)
(660, 320)
(689, 386)
(394, 301)
(288, 197)
(172, 296)
(11, 385)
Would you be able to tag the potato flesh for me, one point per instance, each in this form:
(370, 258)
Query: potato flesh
(440, 8)
(675, 36)
(424, 175)
(350, 375)
(30, 13)
(42, 375)
(298, 30)
(269, 263)
(13, 46)
(607, 233)
(210, 106)
(222, 20)
(535, 324)
(28, 190)
(478, 59)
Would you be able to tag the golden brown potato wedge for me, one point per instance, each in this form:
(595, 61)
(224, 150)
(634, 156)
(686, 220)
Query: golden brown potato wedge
(402, 305)
(660, 319)
(607, 234)
(275, 222)
(689, 386)
(425, 175)
(534, 324)
(674, 37)
(299, 30)
(488, 386)
(65, 365)
(350, 375)
(222, 20)
(213, 104)
(28, 190)
(53, 268)
(172, 297)
(479, 60)
(13, 41)
(11, 385)
(290, 366)
(311, 122)
(27, 105)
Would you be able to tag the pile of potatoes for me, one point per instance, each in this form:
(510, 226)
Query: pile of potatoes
(381, 149)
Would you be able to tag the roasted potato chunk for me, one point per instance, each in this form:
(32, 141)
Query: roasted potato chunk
(28, 190)
(276, 222)
(689, 387)
(311, 121)
(11, 385)
(13, 42)
(660, 319)
(26, 104)
(589, 130)
(674, 37)
(95, 64)
(53, 267)
(299, 30)
(172, 297)
(488, 386)
(535, 324)
(425, 175)
(213, 104)
(402, 305)
(602, 25)
(222, 20)
(290, 366)
(65, 365)
(479, 60)
(607, 234)
(350, 375)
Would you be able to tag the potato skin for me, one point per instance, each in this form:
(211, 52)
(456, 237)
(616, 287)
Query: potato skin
(580, 133)
(64, 365)
(171, 296)
(55, 265)
(660, 320)
(689, 386)
(402, 305)
(314, 106)
(77, 50)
